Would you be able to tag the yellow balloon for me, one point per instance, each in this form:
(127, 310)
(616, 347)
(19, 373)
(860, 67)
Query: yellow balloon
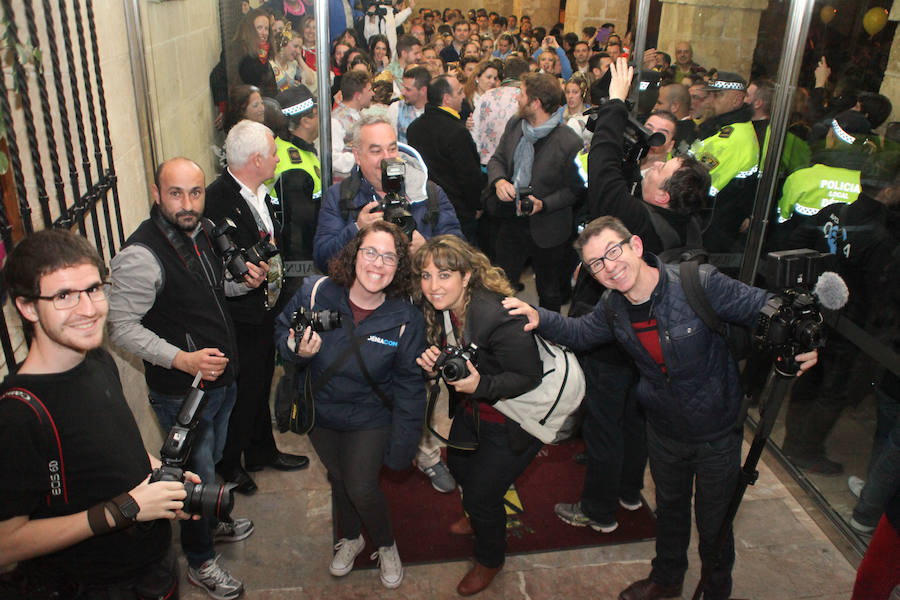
(827, 14)
(875, 20)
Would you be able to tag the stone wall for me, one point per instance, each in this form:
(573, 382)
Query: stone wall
(580, 14)
(722, 32)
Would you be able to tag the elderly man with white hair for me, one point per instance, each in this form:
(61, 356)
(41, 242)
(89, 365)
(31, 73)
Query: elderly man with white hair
(240, 194)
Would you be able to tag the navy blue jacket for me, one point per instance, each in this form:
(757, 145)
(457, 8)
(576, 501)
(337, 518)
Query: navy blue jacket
(347, 402)
(698, 398)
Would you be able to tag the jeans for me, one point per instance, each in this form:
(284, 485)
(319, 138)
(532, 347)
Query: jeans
(883, 478)
(206, 450)
(353, 460)
(485, 474)
(614, 437)
(676, 467)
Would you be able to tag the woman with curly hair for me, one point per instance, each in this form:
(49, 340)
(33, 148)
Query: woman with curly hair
(284, 64)
(460, 290)
(368, 408)
(256, 47)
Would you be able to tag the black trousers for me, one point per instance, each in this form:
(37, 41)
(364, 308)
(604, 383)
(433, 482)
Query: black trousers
(250, 425)
(485, 474)
(513, 249)
(353, 460)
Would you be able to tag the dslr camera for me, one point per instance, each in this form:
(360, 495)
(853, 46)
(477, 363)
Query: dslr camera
(206, 499)
(451, 364)
(394, 206)
(637, 141)
(791, 322)
(323, 320)
(234, 257)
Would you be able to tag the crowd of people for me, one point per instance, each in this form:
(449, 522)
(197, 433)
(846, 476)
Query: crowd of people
(463, 148)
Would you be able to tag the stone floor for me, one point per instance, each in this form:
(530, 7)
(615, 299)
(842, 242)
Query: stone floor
(781, 552)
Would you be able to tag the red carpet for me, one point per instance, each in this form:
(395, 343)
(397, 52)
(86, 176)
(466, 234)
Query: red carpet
(421, 516)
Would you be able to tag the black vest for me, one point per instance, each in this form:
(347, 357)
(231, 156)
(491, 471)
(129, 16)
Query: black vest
(189, 312)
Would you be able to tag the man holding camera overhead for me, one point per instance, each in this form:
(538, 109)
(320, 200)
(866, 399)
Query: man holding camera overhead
(77, 509)
(358, 200)
(167, 306)
(535, 180)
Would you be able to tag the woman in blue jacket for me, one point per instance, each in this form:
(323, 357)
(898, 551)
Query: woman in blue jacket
(369, 408)
(458, 280)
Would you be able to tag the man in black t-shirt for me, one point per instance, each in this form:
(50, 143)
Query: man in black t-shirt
(76, 509)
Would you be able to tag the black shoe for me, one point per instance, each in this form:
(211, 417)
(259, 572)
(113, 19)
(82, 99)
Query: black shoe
(283, 462)
(243, 483)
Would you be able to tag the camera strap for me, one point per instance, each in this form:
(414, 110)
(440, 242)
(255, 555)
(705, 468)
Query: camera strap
(435, 390)
(52, 449)
(354, 346)
(189, 255)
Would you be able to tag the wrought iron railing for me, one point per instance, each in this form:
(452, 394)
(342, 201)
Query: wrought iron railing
(78, 102)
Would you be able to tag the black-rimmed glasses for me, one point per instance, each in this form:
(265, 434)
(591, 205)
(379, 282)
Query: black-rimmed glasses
(612, 255)
(67, 299)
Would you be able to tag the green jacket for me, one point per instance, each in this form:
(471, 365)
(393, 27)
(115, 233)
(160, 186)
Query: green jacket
(809, 190)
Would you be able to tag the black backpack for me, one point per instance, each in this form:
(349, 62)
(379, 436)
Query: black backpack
(350, 187)
(674, 251)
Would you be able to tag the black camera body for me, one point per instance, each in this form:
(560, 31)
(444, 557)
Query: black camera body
(394, 206)
(379, 10)
(451, 364)
(323, 320)
(792, 322)
(526, 204)
(207, 498)
(236, 258)
(637, 141)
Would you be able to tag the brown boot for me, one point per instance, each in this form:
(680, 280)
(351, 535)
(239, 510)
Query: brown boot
(478, 578)
(647, 590)
(461, 527)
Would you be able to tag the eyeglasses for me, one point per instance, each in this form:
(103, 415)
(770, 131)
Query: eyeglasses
(70, 298)
(389, 259)
(613, 254)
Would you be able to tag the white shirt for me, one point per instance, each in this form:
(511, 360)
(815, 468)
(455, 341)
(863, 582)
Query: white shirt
(257, 201)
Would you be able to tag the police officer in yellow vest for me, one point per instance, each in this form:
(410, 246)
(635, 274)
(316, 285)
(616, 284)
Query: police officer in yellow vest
(297, 184)
(726, 143)
(834, 177)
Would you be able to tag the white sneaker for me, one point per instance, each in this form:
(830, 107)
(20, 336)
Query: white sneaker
(856, 485)
(346, 552)
(391, 567)
(217, 581)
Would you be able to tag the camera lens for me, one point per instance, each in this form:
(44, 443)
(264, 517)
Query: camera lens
(209, 500)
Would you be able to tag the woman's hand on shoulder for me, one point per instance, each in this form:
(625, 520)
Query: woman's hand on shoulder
(469, 383)
(427, 360)
(310, 343)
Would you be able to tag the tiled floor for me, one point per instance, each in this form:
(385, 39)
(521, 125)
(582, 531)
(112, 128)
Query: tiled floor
(781, 552)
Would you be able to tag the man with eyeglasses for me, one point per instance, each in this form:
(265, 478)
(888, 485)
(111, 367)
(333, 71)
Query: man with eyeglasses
(168, 308)
(75, 471)
(689, 388)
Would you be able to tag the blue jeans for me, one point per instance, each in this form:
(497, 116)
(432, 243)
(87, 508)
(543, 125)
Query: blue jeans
(675, 467)
(883, 479)
(206, 450)
(613, 433)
